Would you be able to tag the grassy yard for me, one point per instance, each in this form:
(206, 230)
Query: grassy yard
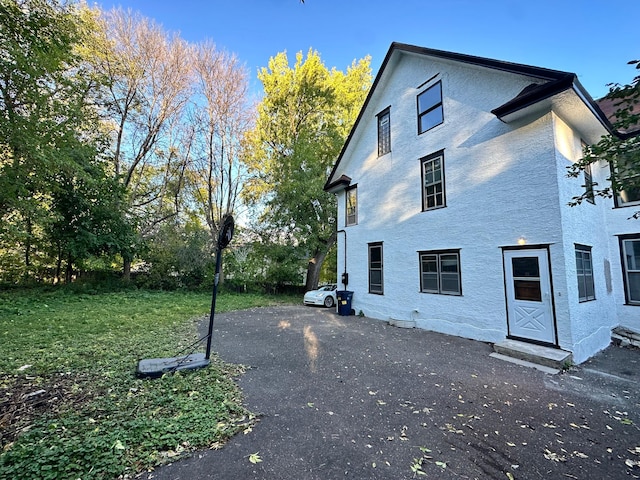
(70, 405)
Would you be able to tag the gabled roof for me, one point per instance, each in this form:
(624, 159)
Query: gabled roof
(557, 82)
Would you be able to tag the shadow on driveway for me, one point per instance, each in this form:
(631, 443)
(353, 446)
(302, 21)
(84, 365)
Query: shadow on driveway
(351, 397)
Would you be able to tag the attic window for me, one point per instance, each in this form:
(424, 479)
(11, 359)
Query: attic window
(430, 113)
(384, 132)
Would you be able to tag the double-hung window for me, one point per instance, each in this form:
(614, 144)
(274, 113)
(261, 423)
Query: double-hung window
(430, 112)
(351, 206)
(375, 269)
(384, 132)
(584, 270)
(440, 272)
(433, 195)
(588, 181)
(630, 248)
(626, 173)
(588, 184)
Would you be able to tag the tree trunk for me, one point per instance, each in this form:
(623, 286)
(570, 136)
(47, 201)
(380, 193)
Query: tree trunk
(68, 275)
(126, 269)
(313, 272)
(27, 247)
(58, 266)
(315, 264)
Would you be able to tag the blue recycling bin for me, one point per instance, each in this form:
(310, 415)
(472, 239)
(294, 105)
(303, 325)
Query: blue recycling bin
(344, 302)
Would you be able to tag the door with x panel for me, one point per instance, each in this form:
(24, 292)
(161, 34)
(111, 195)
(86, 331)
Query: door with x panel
(528, 291)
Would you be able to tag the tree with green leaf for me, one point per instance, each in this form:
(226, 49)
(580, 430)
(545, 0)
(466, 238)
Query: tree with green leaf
(147, 74)
(303, 121)
(621, 149)
(46, 114)
(87, 218)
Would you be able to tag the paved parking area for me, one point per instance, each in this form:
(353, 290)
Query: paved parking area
(351, 397)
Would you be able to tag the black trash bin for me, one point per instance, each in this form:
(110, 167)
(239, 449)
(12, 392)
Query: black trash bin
(344, 302)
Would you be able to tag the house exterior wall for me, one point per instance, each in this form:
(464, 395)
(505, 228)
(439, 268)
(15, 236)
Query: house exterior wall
(619, 222)
(504, 183)
(488, 205)
(589, 324)
(598, 226)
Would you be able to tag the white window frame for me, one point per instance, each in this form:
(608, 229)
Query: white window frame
(430, 185)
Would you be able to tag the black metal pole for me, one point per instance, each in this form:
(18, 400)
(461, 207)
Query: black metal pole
(216, 278)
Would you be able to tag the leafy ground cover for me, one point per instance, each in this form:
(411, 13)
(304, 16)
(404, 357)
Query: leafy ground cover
(70, 404)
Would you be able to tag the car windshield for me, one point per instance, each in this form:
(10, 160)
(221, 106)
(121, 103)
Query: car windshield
(327, 288)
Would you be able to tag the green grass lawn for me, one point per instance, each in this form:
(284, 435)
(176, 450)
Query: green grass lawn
(70, 404)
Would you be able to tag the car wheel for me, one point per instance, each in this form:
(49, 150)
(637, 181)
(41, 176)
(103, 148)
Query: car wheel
(328, 301)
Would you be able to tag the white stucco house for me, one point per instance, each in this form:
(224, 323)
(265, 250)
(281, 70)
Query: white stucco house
(453, 211)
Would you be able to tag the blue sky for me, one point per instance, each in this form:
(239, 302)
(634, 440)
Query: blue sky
(592, 38)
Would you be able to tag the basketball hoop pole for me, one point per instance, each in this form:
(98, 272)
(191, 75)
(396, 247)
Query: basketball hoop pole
(216, 278)
(225, 236)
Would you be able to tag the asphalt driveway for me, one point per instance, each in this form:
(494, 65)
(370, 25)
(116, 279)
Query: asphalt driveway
(351, 397)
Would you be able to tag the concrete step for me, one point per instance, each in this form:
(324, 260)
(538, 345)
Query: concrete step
(524, 363)
(529, 352)
(625, 337)
(402, 323)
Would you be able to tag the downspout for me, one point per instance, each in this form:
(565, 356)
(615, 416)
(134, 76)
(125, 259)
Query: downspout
(345, 275)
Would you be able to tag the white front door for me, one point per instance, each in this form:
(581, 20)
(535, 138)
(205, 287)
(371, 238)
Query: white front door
(528, 290)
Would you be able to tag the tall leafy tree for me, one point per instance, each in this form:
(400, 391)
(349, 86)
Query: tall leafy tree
(46, 116)
(302, 123)
(220, 116)
(148, 73)
(622, 150)
(87, 218)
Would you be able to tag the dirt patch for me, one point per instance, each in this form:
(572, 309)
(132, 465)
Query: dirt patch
(25, 398)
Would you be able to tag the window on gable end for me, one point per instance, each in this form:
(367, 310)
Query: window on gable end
(430, 112)
(433, 193)
(384, 132)
(351, 206)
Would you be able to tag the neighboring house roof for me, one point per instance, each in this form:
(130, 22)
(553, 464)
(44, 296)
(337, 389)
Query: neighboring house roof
(561, 91)
(611, 105)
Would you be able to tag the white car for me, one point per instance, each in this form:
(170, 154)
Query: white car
(325, 295)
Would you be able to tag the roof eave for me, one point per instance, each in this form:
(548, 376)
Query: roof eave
(541, 100)
(339, 185)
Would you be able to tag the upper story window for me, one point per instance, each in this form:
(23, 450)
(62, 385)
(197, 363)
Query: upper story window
(588, 181)
(430, 111)
(384, 132)
(629, 196)
(588, 184)
(433, 195)
(627, 173)
(351, 206)
(584, 271)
